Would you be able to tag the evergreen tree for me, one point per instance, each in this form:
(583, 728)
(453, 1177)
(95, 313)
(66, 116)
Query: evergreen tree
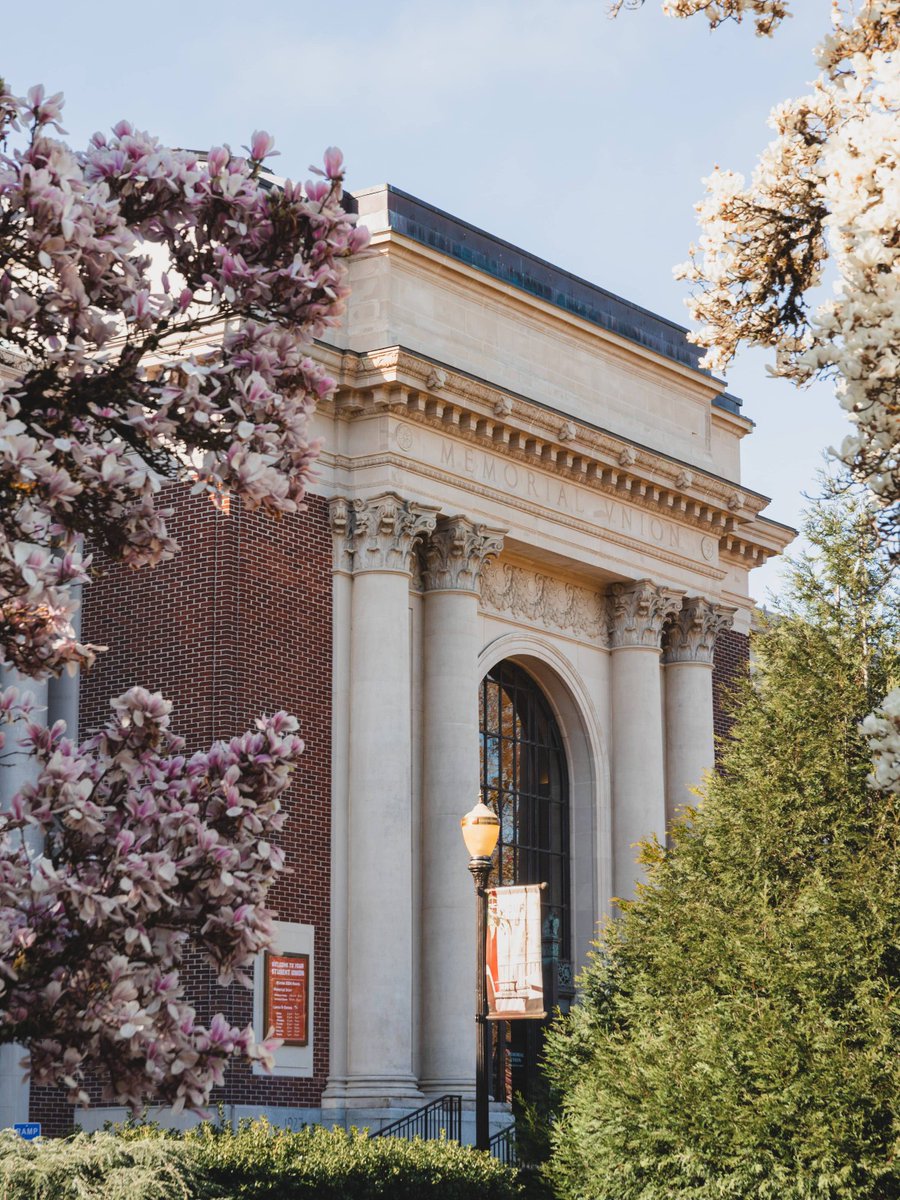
(738, 1029)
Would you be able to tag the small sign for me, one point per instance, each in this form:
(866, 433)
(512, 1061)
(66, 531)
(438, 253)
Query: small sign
(287, 998)
(29, 1130)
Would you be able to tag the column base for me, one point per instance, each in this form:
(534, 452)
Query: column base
(449, 1086)
(375, 1092)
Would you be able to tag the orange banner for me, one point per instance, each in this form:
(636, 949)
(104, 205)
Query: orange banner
(515, 976)
(287, 998)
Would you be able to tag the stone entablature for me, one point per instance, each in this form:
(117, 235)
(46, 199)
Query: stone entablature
(526, 440)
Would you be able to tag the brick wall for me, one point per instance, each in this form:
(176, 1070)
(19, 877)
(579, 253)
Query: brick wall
(238, 624)
(730, 664)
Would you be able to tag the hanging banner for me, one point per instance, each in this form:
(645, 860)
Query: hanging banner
(515, 977)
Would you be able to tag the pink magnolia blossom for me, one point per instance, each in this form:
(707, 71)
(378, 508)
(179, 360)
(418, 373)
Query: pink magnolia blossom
(143, 850)
(105, 396)
(156, 314)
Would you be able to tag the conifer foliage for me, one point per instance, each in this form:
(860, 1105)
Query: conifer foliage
(739, 1028)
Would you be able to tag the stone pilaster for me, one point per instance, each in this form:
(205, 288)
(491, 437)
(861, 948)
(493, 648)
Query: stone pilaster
(453, 558)
(690, 642)
(636, 615)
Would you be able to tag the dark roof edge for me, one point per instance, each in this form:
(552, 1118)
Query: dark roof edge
(431, 226)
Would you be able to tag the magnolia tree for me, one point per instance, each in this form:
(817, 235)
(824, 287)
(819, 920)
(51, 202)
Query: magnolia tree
(826, 190)
(156, 311)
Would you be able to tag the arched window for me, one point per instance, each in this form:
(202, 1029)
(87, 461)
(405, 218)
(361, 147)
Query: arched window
(524, 779)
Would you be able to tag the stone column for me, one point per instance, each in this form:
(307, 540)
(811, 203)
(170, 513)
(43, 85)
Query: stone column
(690, 641)
(636, 613)
(384, 532)
(453, 558)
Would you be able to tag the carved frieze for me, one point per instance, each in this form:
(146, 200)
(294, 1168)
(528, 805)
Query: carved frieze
(637, 612)
(543, 600)
(691, 635)
(455, 553)
(378, 534)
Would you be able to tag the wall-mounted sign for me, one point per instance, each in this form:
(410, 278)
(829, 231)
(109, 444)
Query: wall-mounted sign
(515, 972)
(29, 1130)
(286, 998)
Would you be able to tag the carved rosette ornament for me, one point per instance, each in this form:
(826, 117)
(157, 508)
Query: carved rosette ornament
(455, 552)
(691, 635)
(379, 534)
(637, 612)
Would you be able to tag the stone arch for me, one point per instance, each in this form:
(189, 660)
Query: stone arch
(588, 765)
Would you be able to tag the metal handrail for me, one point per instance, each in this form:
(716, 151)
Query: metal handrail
(503, 1146)
(440, 1118)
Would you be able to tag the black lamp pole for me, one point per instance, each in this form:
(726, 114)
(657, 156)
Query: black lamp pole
(480, 866)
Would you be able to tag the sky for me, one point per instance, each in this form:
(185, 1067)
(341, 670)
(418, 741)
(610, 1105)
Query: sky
(580, 138)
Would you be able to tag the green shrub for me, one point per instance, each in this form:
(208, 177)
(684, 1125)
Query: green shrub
(97, 1166)
(262, 1163)
(257, 1162)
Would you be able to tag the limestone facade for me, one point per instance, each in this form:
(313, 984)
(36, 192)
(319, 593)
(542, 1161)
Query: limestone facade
(517, 467)
(572, 486)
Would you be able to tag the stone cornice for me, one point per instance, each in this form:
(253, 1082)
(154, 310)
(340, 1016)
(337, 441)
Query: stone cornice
(378, 534)
(455, 553)
(394, 380)
(637, 613)
(690, 637)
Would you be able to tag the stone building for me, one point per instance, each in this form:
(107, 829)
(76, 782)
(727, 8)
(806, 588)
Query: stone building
(523, 573)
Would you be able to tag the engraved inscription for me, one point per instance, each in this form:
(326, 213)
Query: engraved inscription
(562, 497)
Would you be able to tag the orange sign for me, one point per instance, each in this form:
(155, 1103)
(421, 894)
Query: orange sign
(287, 998)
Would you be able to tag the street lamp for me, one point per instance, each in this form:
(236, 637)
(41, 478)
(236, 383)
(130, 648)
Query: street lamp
(480, 830)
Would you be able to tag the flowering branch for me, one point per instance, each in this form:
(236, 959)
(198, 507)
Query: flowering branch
(156, 313)
(113, 263)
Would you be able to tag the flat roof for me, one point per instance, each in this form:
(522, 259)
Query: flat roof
(422, 222)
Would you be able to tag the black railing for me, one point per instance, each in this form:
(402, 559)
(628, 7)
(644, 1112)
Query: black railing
(503, 1146)
(440, 1118)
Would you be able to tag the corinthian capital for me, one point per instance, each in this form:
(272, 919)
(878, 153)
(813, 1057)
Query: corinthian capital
(691, 636)
(378, 534)
(455, 552)
(637, 612)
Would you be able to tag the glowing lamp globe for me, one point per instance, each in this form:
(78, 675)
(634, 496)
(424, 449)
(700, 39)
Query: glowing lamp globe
(480, 830)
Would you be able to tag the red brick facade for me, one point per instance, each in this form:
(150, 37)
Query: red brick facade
(237, 625)
(731, 660)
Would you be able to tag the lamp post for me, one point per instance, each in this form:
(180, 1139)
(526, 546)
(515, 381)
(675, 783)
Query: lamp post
(480, 830)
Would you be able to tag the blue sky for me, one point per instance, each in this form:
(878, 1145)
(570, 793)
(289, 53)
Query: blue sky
(580, 138)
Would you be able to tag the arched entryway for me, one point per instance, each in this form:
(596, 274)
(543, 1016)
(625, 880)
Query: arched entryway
(525, 779)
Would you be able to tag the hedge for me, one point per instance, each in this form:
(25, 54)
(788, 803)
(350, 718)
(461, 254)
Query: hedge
(257, 1162)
